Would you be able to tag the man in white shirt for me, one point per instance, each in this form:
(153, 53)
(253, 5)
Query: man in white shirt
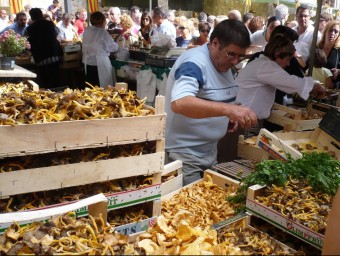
(3, 19)
(305, 31)
(67, 32)
(163, 26)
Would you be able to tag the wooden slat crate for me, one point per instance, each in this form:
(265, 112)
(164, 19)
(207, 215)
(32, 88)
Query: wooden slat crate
(278, 116)
(52, 137)
(63, 176)
(175, 183)
(277, 219)
(218, 179)
(243, 220)
(278, 145)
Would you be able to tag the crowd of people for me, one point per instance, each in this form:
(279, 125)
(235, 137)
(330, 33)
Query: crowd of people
(206, 97)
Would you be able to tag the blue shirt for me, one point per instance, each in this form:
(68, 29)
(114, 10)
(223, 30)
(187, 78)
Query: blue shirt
(16, 28)
(193, 74)
(181, 42)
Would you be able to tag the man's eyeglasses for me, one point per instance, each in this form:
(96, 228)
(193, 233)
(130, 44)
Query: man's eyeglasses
(334, 30)
(204, 30)
(232, 56)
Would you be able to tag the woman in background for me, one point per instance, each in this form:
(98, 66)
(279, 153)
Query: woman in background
(330, 44)
(145, 28)
(203, 38)
(127, 25)
(97, 46)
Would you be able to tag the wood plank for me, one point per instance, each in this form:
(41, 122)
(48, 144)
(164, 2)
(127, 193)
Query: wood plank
(159, 104)
(255, 191)
(55, 177)
(156, 207)
(52, 137)
(172, 185)
(331, 243)
(173, 166)
(221, 180)
(296, 112)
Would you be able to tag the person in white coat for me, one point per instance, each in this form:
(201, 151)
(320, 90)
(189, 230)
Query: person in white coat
(259, 80)
(97, 46)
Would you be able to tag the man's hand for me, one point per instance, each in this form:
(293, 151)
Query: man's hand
(335, 72)
(245, 117)
(318, 91)
(232, 126)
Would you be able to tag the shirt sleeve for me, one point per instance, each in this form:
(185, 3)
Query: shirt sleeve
(272, 74)
(327, 72)
(188, 80)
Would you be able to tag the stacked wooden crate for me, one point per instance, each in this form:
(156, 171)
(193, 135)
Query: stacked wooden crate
(23, 140)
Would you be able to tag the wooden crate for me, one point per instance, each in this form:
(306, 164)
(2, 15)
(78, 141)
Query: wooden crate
(277, 219)
(52, 137)
(63, 176)
(279, 144)
(247, 148)
(27, 60)
(243, 220)
(69, 56)
(277, 116)
(96, 204)
(218, 179)
(176, 183)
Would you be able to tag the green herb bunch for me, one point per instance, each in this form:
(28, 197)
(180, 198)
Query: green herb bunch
(320, 170)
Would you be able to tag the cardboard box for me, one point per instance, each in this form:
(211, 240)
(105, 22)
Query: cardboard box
(277, 219)
(279, 145)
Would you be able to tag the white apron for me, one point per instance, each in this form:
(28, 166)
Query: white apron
(104, 71)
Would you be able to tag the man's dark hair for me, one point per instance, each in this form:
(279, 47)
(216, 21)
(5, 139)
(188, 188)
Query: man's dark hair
(231, 32)
(17, 16)
(36, 14)
(247, 16)
(272, 19)
(291, 34)
(97, 18)
(302, 7)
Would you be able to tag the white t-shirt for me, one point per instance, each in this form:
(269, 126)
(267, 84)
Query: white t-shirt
(305, 42)
(259, 80)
